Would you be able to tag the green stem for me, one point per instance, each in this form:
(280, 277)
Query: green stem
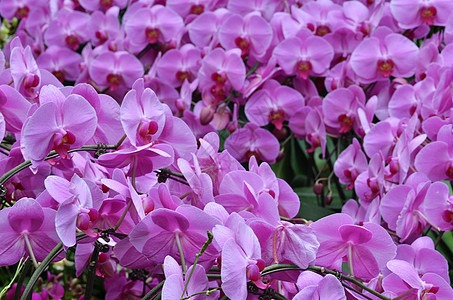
(92, 271)
(321, 270)
(20, 281)
(117, 225)
(252, 69)
(203, 249)
(181, 254)
(20, 266)
(44, 264)
(5, 177)
(154, 290)
(200, 293)
(30, 250)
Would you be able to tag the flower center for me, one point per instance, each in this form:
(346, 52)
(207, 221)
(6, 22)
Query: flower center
(242, 44)
(182, 75)
(114, 81)
(346, 122)
(106, 4)
(152, 34)
(303, 69)
(197, 9)
(59, 75)
(385, 67)
(428, 14)
(146, 129)
(62, 142)
(277, 118)
(322, 30)
(72, 41)
(22, 12)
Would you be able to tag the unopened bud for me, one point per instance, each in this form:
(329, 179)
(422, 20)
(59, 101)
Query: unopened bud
(148, 205)
(94, 214)
(329, 198)
(83, 221)
(318, 188)
(206, 115)
(280, 134)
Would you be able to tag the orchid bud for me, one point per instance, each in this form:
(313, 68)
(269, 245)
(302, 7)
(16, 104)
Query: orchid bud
(206, 115)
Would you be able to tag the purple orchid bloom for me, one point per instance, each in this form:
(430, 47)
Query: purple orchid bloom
(312, 56)
(121, 287)
(59, 123)
(190, 8)
(266, 8)
(104, 26)
(177, 65)
(14, 108)
(68, 29)
(405, 280)
(253, 140)
(341, 109)
(284, 242)
(274, 103)
(26, 227)
(174, 281)
(316, 131)
(79, 203)
(95, 5)
(402, 208)
(411, 14)
(314, 286)
(152, 25)
(160, 232)
(438, 206)
(25, 71)
(215, 164)
(20, 8)
(220, 71)
(252, 34)
(142, 115)
(241, 257)
(63, 63)
(280, 190)
(383, 55)
(142, 160)
(350, 163)
(421, 254)
(114, 69)
(109, 129)
(204, 28)
(201, 191)
(366, 248)
(435, 159)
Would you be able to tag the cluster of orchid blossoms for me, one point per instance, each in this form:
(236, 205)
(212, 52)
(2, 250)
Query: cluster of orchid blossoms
(109, 112)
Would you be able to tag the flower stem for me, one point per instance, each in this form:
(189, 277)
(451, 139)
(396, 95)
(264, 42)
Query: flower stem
(321, 270)
(92, 271)
(5, 177)
(30, 250)
(117, 225)
(181, 254)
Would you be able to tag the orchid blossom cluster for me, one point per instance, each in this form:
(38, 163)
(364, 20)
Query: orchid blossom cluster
(141, 143)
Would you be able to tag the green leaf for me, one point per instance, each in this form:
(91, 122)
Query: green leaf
(309, 207)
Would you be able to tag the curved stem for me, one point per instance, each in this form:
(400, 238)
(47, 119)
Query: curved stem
(117, 225)
(154, 290)
(92, 271)
(181, 254)
(5, 177)
(44, 264)
(321, 270)
(30, 250)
